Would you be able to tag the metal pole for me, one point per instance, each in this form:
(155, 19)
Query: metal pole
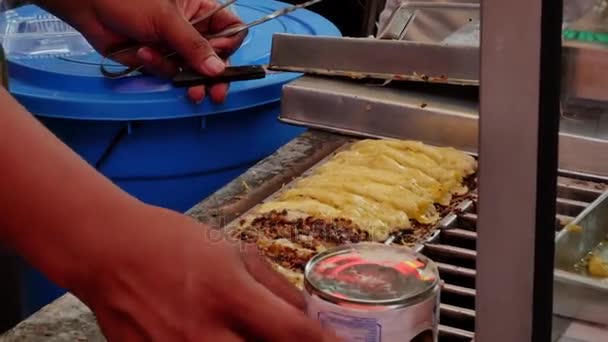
(519, 123)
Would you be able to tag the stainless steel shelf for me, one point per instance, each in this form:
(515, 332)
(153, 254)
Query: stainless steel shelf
(441, 116)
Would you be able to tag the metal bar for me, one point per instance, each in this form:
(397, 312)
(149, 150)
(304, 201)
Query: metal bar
(519, 124)
(459, 290)
(451, 251)
(376, 58)
(452, 334)
(457, 311)
(450, 254)
(456, 275)
(457, 317)
(578, 192)
(382, 111)
(461, 271)
(460, 234)
(570, 207)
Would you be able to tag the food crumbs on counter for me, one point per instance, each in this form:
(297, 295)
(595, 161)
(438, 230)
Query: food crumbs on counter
(245, 185)
(573, 228)
(423, 105)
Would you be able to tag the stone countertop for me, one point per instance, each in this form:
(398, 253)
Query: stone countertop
(68, 319)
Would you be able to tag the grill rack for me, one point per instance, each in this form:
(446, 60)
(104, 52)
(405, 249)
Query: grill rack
(453, 249)
(453, 243)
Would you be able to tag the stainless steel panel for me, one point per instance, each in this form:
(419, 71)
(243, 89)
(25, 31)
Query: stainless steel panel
(370, 111)
(436, 117)
(396, 24)
(577, 295)
(428, 22)
(583, 154)
(375, 58)
(449, 42)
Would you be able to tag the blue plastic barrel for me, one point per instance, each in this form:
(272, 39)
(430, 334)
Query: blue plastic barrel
(145, 135)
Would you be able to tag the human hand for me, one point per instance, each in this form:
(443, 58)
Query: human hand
(171, 279)
(161, 26)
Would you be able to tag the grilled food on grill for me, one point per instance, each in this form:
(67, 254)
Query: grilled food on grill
(366, 193)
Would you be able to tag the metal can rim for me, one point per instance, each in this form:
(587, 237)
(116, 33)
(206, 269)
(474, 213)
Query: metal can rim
(398, 302)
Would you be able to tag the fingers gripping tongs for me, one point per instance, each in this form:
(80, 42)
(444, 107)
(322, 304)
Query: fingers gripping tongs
(186, 78)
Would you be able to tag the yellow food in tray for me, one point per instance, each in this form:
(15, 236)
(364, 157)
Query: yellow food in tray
(380, 185)
(598, 267)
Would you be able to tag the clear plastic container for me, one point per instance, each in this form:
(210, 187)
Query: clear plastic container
(40, 36)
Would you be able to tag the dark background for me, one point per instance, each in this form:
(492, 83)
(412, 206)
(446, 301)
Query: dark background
(347, 15)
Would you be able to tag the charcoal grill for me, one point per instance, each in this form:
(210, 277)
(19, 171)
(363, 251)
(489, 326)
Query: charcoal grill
(453, 248)
(512, 122)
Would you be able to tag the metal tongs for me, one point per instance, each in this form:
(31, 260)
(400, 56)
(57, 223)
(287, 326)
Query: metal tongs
(187, 78)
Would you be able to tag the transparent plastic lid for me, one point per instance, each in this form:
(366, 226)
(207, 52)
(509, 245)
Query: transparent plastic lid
(371, 273)
(41, 35)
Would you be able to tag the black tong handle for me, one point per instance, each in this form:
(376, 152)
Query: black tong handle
(231, 74)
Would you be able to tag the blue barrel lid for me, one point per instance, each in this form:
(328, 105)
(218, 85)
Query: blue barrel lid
(72, 86)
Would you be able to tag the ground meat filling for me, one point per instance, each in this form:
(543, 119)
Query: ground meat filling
(310, 234)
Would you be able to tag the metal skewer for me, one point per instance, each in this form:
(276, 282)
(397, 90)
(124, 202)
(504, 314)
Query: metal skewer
(225, 33)
(129, 71)
(278, 13)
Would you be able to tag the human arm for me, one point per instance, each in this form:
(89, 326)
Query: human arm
(160, 26)
(147, 273)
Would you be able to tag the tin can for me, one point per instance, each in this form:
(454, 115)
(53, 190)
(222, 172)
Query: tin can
(373, 292)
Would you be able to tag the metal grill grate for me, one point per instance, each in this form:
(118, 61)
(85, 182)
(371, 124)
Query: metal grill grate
(453, 249)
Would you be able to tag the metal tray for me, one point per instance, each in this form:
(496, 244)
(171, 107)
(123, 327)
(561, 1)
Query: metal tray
(433, 113)
(576, 295)
(448, 36)
(376, 58)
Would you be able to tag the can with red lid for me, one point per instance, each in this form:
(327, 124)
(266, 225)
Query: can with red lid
(373, 292)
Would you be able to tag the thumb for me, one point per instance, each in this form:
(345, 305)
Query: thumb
(178, 33)
(262, 271)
